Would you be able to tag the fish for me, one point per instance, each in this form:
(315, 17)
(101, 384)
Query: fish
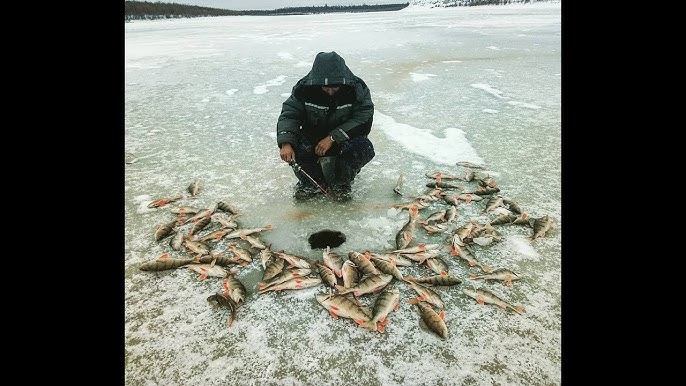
(468, 197)
(468, 175)
(240, 253)
(295, 283)
(164, 230)
(161, 202)
(387, 267)
(462, 234)
(238, 233)
(341, 306)
(363, 263)
(387, 301)
(198, 216)
(483, 297)
(436, 216)
(218, 259)
(425, 294)
(351, 276)
(485, 235)
(444, 185)
(254, 241)
(293, 260)
(406, 234)
(395, 258)
(226, 206)
(176, 242)
(369, 284)
(164, 262)
(184, 210)
(469, 257)
(442, 176)
(485, 240)
(451, 199)
(451, 214)
(523, 219)
(419, 204)
(420, 257)
(435, 280)
(194, 188)
(421, 247)
(541, 225)
(273, 268)
(470, 165)
(435, 322)
(494, 202)
(234, 289)
(198, 247)
(267, 256)
(334, 261)
(435, 228)
(485, 190)
(437, 265)
(222, 300)
(506, 275)
(399, 185)
(226, 221)
(503, 219)
(487, 181)
(207, 270)
(216, 235)
(328, 277)
(200, 224)
(513, 206)
(285, 275)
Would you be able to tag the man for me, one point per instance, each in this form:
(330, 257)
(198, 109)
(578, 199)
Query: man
(329, 113)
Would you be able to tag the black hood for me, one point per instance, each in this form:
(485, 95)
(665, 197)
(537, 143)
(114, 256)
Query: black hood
(329, 68)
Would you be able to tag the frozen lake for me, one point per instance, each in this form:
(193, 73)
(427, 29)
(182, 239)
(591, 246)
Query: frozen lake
(476, 84)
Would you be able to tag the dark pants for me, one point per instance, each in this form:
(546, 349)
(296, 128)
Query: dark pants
(350, 157)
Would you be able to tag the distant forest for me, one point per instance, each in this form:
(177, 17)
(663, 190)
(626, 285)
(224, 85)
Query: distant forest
(146, 10)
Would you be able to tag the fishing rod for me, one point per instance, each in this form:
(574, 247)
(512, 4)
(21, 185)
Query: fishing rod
(297, 168)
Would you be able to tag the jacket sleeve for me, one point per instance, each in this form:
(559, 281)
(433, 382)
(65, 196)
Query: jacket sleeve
(362, 113)
(289, 122)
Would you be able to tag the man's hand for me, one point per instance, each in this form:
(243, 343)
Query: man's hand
(287, 154)
(323, 146)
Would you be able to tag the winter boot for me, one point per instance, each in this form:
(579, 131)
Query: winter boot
(304, 191)
(343, 179)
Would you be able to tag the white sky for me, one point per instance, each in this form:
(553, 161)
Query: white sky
(275, 4)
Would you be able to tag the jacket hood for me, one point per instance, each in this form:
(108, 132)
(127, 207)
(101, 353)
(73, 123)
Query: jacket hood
(329, 68)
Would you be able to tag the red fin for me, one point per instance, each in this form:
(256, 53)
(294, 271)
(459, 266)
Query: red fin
(442, 315)
(333, 314)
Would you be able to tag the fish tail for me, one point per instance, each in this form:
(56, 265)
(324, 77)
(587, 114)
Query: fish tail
(413, 300)
(486, 268)
(518, 309)
(367, 324)
(472, 277)
(380, 327)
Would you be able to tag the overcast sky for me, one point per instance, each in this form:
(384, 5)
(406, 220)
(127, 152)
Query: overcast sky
(274, 4)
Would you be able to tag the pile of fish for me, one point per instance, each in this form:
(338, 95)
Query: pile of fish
(216, 245)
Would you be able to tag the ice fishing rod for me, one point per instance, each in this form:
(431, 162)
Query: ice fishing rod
(297, 168)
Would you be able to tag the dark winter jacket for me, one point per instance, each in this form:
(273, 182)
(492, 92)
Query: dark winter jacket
(346, 114)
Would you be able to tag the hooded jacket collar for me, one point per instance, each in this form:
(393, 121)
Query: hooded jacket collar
(329, 68)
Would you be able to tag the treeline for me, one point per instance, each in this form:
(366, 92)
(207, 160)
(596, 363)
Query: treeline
(146, 10)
